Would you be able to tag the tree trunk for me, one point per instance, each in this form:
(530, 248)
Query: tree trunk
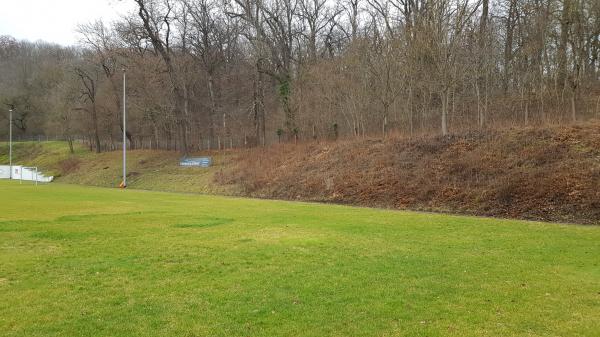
(508, 43)
(95, 126)
(525, 106)
(213, 106)
(284, 92)
(70, 141)
(479, 112)
(258, 106)
(445, 97)
(562, 45)
(573, 106)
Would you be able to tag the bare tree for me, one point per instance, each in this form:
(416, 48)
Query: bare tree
(157, 22)
(88, 94)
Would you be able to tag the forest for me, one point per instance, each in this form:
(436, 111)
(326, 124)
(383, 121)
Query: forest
(220, 74)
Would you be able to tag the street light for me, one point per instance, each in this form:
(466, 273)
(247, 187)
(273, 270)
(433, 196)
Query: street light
(124, 183)
(10, 111)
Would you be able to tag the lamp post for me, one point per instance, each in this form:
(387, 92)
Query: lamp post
(10, 111)
(124, 184)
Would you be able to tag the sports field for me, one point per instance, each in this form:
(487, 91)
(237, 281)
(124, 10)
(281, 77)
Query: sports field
(81, 261)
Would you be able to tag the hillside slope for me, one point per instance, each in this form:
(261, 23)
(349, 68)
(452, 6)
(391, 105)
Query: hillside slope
(146, 169)
(550, 173)
(547, 174)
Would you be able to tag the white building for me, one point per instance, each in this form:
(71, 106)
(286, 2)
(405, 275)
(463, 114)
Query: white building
(23, 173)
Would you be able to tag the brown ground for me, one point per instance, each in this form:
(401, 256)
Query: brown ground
(551, 173)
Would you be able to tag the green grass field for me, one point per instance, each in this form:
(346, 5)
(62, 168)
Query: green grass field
(83, 261)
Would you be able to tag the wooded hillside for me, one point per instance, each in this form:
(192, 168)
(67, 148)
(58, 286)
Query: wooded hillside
(242, 73)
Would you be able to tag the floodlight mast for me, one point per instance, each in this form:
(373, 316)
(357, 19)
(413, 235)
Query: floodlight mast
(124, 183)
(10, 111)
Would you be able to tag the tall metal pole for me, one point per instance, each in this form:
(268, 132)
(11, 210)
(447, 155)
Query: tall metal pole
(10, 142)
(124, 131)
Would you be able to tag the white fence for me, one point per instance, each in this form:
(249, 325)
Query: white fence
(4, 172)
(23, 173)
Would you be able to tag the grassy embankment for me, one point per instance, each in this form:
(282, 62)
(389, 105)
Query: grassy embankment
(148, 170)
(86, 261)
(547, 173)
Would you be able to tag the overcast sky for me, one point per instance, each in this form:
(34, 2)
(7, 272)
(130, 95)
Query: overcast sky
(56, 20)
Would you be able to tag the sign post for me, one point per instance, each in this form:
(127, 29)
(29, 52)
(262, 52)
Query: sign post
(199, 161)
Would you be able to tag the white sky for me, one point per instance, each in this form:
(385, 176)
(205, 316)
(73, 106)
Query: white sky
(56, 20)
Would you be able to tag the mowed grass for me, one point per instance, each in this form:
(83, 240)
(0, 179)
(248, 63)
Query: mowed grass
(84, 261)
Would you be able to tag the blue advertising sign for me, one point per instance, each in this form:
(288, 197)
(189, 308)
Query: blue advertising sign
(198, 161)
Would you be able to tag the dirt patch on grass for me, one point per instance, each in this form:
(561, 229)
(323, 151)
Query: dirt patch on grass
(202, 223)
